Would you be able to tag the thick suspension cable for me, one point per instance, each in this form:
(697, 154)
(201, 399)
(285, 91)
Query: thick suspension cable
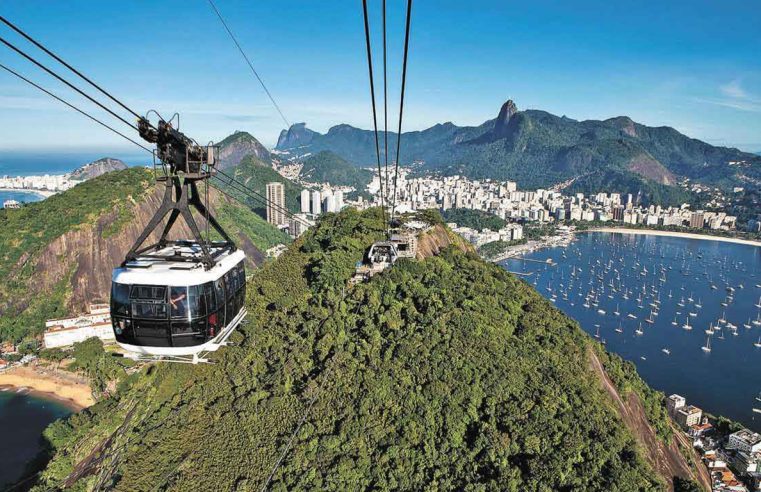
(375, 117)
(62, 62)
(250, 65)
(385, 96)
(96, 120)
(401, 100)
(72, 86)
(255, 195)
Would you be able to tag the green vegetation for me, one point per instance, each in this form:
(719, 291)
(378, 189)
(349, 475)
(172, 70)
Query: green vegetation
(255, 175)
(445, 374)
(496, 248)
(99, 366)
(475, 219)
(327, 167)
(537, 230)
(238, 220)
(616, 180)
(24, 234)
(538, 149)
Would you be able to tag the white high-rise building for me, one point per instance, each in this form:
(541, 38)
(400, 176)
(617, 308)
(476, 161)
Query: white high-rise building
(338, 198)
(316, 202)
(328, 205)
(304, 201)
(276, 204)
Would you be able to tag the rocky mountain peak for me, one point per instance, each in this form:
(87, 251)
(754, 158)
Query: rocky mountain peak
(96, 168)
(239, 145)
(297, 135)
(505, 113)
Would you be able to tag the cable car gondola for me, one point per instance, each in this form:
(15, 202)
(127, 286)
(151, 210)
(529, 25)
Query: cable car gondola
(177, 300)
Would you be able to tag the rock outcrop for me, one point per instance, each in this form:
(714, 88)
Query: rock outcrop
(239, 145)
(91, 253)
(97, 168)
(297, 135)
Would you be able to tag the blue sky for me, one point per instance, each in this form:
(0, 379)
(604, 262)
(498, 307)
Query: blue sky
(693, 65)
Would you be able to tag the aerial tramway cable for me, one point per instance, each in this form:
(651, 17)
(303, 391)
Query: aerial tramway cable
(385, 96)
(372, 97)
(401, 101)
(250, 65)
(72, 86)
(96, 120)
(62, 62)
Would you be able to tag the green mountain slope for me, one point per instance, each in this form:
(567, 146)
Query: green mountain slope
(538, 149)
(255, 174)
(56, 255)
(328, 167)
(445, 374)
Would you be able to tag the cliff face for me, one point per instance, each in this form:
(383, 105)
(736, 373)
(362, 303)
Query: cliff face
(91, 252)
(431, 243)
(97, 168)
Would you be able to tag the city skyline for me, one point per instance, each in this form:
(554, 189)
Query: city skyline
(588, 61)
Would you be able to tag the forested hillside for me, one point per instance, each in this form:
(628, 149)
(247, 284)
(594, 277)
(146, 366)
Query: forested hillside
(441, 374)
(255, 174)
(328, 167)
(56, 255)
(538, 149)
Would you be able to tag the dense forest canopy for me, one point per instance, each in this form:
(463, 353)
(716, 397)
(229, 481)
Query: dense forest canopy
(442, 374)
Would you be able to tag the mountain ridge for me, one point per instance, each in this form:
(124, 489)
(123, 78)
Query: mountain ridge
(538, 149)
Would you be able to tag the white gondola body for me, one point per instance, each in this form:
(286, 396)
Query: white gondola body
(162, 309)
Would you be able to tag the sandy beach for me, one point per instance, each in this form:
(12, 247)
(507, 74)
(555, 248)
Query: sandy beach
(69, 389)
(41, 193)
(686, 235)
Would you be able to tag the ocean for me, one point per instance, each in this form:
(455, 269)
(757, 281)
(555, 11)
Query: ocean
(684, 286)
(23, 417)
(14, 163)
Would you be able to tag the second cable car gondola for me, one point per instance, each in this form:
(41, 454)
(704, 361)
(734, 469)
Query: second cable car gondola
(177, 300)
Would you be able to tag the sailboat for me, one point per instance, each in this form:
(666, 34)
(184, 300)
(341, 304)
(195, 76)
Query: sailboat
(758, 343)
(639, 331)
(619, 329)
(686, 324)
(597, 333)
(674, 322)
(617, 312)
(699, 304)
(707, 346)
(650, 318)
(758, 304)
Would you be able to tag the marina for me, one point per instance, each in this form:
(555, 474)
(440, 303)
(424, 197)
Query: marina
(684, 311)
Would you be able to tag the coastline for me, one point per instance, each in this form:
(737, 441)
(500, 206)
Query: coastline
(684, 235)
(67, 389)
(41, 193)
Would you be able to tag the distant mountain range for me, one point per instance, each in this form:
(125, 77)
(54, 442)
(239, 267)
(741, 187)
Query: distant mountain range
(538, 149)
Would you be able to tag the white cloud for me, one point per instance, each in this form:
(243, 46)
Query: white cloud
(734, 90)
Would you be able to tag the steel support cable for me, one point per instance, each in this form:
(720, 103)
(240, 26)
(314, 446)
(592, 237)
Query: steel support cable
(385, 96)
(62, 62)
(96, 120)
(401, 100)
(236, 186)
(375, 117)
(49, 71)
(242, 188)
(250, 65)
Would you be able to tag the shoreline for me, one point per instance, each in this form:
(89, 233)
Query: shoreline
(41, 193)
(684, 235)
(68, 390)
